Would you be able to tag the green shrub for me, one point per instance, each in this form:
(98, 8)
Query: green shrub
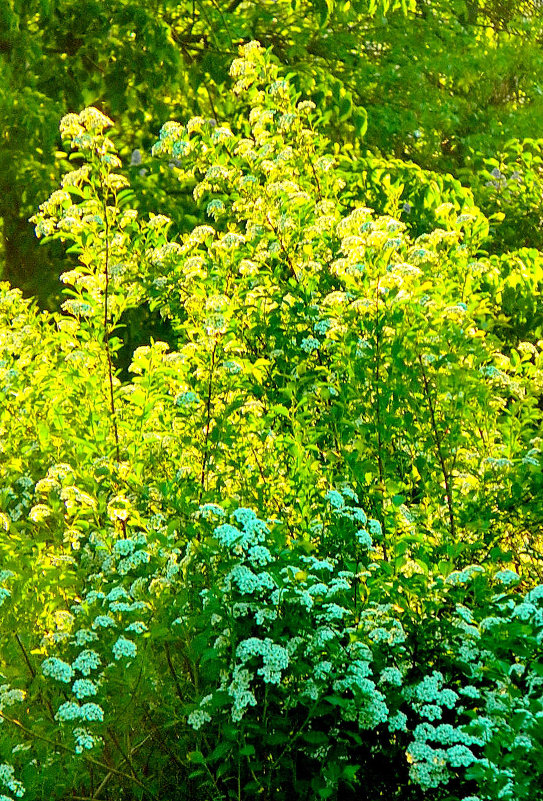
(243, 572)
(508, 187)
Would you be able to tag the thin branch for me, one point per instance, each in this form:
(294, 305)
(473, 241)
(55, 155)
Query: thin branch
(173, 674)
(313, 170)
(233, 5)
(32, 671)
(446, 474)
(376, 381)
(280, 508)
(101, 786)
(25, 655)
(208, 421)
(85, 757)
(121, 751)
(276, 232)
(106, 325)
(162, 741)
(223, 20)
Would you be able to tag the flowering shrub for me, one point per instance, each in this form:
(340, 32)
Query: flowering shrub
(242, 573)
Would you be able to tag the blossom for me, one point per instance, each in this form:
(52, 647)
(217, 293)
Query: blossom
(275, 658)
(198, 718)
(82, 688)
(68, 711)
(221, 134)
(103, 621)
(391, 675)
(227, 534)
(397, 722)
(195, 124)
(431, 711)
(117, 593)
(91, 712)
(7, 774)
(70, 125)
(86, 661)
(124, 647)
(214, 208)
(84, 636)
(364, 538)
(322, 326)
(507, 577)
(9, 696)
(230, 240)
(158, 221)
(239, 690)
(132, 562)
(185, 399)
(460, 756)
(309, 344)
(94, 120)
(124, 547)
(249, 582)
(232, 367)
(333, 612)
(259, 556)
(83, 740)
(138, 627)
(335, 499)
(210, 509)
(57, 669)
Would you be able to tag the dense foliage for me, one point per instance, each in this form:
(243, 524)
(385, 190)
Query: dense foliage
(381, 72)
(296, 551)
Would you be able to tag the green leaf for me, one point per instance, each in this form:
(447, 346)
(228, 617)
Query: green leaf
(196, 757)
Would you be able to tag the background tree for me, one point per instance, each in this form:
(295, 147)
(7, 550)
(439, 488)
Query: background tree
(440, 84)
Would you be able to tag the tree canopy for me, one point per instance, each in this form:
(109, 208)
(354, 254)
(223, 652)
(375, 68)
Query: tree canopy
(441, 85)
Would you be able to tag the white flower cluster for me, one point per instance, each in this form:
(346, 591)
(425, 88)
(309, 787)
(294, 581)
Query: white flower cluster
(137, 627)
(458, 577)
(84, 741)
(249, 582)
(133, 562)
(57, 669)
(230, 241)
(124, 648)
(215, 208)
(91, 120)
(451, 746)
(86, 662)
(198, 718)
(300, 591)
(507, 577)
(322, 326)
(84, 636)
(210, 510)
(232, 367)
(240, 692)
(7, 778)
(364, 537)
(103, 621)
(83, 688)
(275, 658)
(10, 696)
(69, 711)
(310, 344)
(391, 675)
